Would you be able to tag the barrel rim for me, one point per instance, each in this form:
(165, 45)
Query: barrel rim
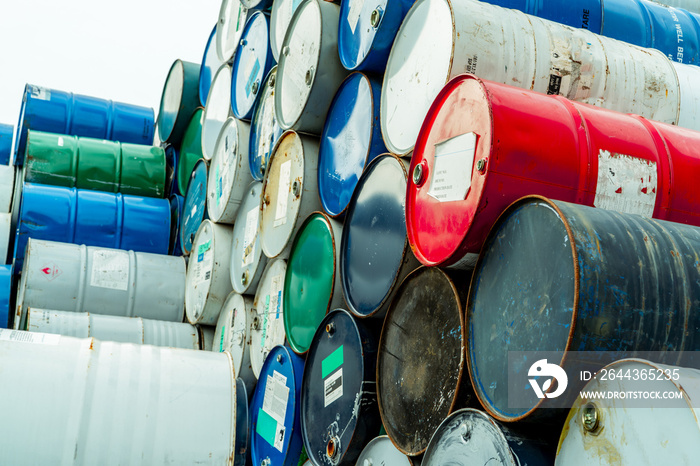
(230, 121)
(212, 38)
(227, 70)
(253, 149)
(249, 23)
(181, 70)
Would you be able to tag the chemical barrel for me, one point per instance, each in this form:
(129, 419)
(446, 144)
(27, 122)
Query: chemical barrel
(113, 328)
(233, 335)
(5, 237)
(232, 16)
(179, 100)
(251, 63)
(7, 186)
(584, 280)
(65, 389)
(6, 132)
(339, 413)
(312, 285)
(267, 329)
(96, 164)
(217, 110)
(264, 129)
(530, 53)
(247, 259)
(280, 17)
(309, 70)
(375, 255)
(93, 218)
(177, 203)
(274, 410)
(55, 111)
(194, 211)
(5, 295)
(351, 138)
(466, 171)
(242, 441)
(206, 337)
(79, 278)
(421, 362)
(381, 452)
(290, 192)
(688, 5)
(229, 174)
(171, 159)
(629, 428)
(210, 63)
(366, 32)
(469, 436)
(208, 284)
(190, 151)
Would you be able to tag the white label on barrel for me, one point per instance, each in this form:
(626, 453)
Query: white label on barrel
(333, 387)
(251, 228)
(283, 193)
(204, 263)
(110, 269)
(276, 396)
(276, 295)
(452, 169)
(29, 337)
(626, 184)
(40, 93)
(354, 13)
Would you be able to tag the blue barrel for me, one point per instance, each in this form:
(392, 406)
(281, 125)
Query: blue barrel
(351, 138)
(264, 129)
(274, 411)
(252, 62)
(177, 203)
(172, 156)
(367, 30)
(5, 143)
(61, 112)
(242, 440)
(210, 64)
(93, 218)
(339, 412)
(5, 295)
(195, 209)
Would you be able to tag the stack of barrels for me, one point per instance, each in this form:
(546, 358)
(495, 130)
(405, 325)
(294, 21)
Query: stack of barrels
(403, 233)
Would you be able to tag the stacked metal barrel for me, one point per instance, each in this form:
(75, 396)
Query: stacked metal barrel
(372, 216)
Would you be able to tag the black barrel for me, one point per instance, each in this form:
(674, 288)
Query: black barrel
(339, 412)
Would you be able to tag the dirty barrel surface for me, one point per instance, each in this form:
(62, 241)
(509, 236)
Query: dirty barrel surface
(247, 259)
(267, 330)
(264, 129)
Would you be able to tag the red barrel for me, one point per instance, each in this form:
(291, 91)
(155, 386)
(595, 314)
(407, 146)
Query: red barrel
(484, 145)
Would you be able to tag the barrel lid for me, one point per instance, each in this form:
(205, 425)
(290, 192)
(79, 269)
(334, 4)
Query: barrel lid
(274, 409)
(242, 423)
(217, 110)
(178, 100)
(247, 259)
(332, 389)
(5, 295)
(232, 16)
(418, 67)
(447, 165)
(280, 17)
(469, 437)
(199, 271)
(194, 210)
(223, 171)
(251, 63)
(267, 329)
(190, 150)
(374, 236)
(422, 344)
(231, 332)
(298, 64)
(345, 143)
(283, 189)
(528, 249)
(308, 286)
(176, 205)
(357, 30)
(380, 451)
(210, 64)
(264, 131)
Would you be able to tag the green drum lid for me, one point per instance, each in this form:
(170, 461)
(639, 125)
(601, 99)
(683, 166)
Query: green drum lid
(190, 150)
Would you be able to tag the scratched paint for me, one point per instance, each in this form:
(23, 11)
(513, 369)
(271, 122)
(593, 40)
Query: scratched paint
(626, 184)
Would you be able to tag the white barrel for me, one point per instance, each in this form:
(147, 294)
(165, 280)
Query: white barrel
(267, 329)
(7, 184)
(208, 283)
(290, 192)
(5, 231)
(440, 39)
(611, 430)
(309, 70)
(83, 401)
(229, 29)
(113, 328)
(380, 451)
(206, 337)
(280, 17)
(229, 172)
(688, 79)
(79, 278)
(233, 335)
(217, 110)
(247, 259)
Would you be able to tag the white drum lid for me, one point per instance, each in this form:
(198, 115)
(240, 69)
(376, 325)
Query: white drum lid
(232, 17)
(233, 335)
(380, 451)
(247, 259)
(172, 99)
(267, 330)
(281, 16)
(418, 67)
(298, 63)
(200, 269)
(217, 110)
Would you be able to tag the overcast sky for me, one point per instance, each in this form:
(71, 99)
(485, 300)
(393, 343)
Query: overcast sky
(120, 50)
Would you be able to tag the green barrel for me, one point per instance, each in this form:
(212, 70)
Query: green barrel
(95, 164)
(190, 150)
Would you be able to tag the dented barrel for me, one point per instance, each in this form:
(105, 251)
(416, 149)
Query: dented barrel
(178, 102)
(264, 129)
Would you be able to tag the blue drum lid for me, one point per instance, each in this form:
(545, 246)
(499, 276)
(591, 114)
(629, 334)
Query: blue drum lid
(351, 138)
(195, 209)
(242, 440)
(176, 205)
(210, 64)
(264, 129)
(5, 143)
(5, 295)
(374, 238)
(275, 430)
(252, 62)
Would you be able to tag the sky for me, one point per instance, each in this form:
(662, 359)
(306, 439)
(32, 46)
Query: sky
(119, 50)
